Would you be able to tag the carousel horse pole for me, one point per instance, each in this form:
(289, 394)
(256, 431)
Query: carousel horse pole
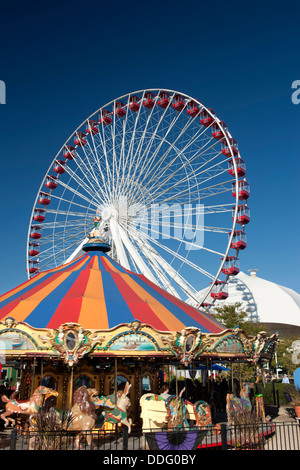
(235, 404)
(259, 402)
(83, 416)
(118, 413)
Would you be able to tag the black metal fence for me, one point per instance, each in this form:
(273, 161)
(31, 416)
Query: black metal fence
(266, 436)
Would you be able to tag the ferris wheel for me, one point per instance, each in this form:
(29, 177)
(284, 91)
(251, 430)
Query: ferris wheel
(161, 178)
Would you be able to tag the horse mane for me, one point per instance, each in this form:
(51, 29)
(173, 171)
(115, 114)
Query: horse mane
(81, 397)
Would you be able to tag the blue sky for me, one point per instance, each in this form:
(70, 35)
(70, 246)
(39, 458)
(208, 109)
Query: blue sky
(61, 61)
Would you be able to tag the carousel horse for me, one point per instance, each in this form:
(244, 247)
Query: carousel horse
(83, 416)
(156, 413)
(116, 413)
(26, 407)
(176, 413)
(236, 405)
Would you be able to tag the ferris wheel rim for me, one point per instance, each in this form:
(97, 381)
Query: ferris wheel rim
(226, 136)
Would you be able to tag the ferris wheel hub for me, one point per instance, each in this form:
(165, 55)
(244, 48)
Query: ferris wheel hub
(110, 213)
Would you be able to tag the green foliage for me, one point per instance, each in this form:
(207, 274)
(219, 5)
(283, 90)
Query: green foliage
(232, 315)
(284, 357)
(282, 390)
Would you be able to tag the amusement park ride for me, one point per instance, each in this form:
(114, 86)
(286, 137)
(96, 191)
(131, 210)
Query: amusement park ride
(159, 168)
(149, 194)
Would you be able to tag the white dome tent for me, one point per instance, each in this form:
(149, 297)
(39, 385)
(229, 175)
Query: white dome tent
(269, 303)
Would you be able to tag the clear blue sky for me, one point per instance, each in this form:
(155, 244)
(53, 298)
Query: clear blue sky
(63, 60)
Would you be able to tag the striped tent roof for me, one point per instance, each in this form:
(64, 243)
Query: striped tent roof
(98, 293)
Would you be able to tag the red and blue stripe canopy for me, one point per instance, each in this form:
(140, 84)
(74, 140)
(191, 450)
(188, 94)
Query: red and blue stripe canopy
(98, 293)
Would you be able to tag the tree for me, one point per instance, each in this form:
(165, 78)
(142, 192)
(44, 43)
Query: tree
(232, 315)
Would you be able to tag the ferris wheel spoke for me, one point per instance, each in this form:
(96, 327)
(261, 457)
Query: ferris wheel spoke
(73, 203)
(161, 160)
(95, 154)
(147, 157)
(174, 274)
(199, 171)
(186, 242)
(130, 161)
(85, 184)
(76, 193)
(121, 254)
(150, 254)
(181, 152)
(72, 223)
(91, 171)
(69, 213)
(58, 254)
(157, 186)
(123, 158)
(139, 155)
(134, 253)
(180, 193)
(174, 254)
(58, 235)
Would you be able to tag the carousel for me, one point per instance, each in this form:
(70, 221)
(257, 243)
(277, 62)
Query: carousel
(93, 323)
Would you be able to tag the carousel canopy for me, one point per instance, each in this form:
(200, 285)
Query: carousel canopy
(97, 293)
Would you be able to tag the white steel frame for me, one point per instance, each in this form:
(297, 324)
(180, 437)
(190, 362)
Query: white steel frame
(149, 158)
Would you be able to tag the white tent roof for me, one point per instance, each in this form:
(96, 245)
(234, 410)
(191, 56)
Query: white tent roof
(265, 301)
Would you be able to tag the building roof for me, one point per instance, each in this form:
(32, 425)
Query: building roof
(97, 293)
(266, 301)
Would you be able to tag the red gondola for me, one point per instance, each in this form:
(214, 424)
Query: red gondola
(51, 182)
(164, 99)
(35, 232)
(219, 290)
(193, 108)
(120, 109)
(207, 118)
(59, 167)
(233, 146)
(69, 152)
(80, 139)
(243, 190)
(239, 240)
(33, 266)
(231, 266)
(217, 131)
(134, 103)
(44, 199)
(34, 249)
(39, 215)
(92, 127)
(240, 167)
(149, 100)
(105, 119)
(179, 103)
(243, 214)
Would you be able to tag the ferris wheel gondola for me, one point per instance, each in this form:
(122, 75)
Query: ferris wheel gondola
(155, 172)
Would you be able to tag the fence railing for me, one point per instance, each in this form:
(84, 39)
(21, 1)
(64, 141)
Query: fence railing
(266, 436)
